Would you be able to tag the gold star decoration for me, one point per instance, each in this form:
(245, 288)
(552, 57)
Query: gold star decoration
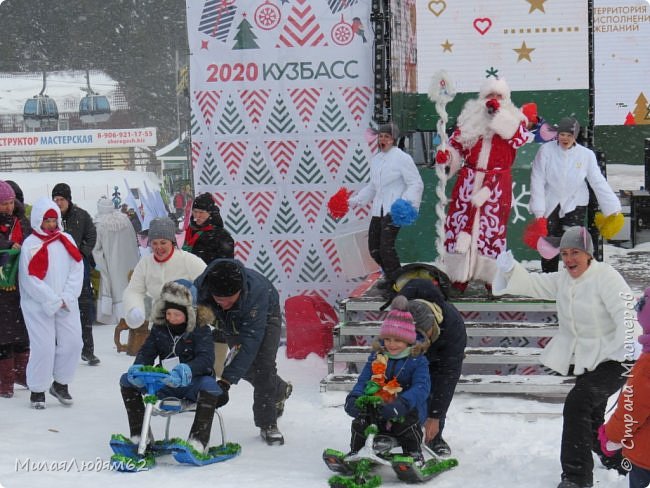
(446, 46)
(524, 52)
(536, 5)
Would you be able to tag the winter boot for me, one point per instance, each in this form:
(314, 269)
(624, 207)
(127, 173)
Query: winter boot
(439, 446)
(567, 483)
(90, 358)
(418, 458)
(283, 397)
(37, 400)
(272, 435)
(7, 377)
(200, 432)
(20, 368)
(134, 410)
(571, 484)
(61, 393)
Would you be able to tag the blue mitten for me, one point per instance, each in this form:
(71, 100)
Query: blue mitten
(180, 376)
(135, 381)
(351, 408)
(395, 409)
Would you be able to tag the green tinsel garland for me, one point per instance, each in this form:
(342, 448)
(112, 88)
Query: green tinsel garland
(133, 463)
(359, 479)
(439, 466)
(153, 369)
(371, 429)
(150, 399)
(224, 449)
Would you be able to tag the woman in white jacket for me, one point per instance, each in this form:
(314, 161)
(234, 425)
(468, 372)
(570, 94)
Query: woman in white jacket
(50, 275)
(393, 175)
(558, 184)
(595, 340)
(165, 263)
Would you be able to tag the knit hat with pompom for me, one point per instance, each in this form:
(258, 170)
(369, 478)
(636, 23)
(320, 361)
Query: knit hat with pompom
(399, 324)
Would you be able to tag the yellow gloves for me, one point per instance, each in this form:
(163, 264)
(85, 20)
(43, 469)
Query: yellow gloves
(609, 226)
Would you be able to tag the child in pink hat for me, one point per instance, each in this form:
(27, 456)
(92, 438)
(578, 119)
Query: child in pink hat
(397, 372)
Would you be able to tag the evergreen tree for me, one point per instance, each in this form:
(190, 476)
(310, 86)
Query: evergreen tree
(245, 36)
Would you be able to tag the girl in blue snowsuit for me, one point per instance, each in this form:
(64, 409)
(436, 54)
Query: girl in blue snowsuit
(406, 374)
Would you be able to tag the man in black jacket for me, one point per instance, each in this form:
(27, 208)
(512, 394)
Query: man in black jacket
(79, 224)
(445, 328)
(247, 309)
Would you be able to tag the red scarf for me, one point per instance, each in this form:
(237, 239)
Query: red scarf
(169, 256)
(192, 235)
(15, 231)
(40, 262)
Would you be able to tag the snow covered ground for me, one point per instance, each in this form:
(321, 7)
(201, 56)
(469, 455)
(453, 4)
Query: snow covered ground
(499, 441)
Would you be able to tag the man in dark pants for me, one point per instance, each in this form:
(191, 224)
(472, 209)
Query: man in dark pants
(247, 310)
(431, 312)
(78, 223)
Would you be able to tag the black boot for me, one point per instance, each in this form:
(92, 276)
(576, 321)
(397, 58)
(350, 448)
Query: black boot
(200, 431)
(61, 393)
(134, 409)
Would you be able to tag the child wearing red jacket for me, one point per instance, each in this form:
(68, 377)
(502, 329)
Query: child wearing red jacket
(629, 426)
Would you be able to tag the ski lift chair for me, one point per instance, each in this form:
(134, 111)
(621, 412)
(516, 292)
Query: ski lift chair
(39, 111)
(93, 108)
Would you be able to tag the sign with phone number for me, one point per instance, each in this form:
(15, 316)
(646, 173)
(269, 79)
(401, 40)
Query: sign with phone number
(77, 139)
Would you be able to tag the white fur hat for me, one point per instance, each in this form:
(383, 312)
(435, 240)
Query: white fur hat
(495, 85)
(105, 206)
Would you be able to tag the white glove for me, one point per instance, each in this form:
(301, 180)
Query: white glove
(135, 317)
(505, 262)
(354, 202)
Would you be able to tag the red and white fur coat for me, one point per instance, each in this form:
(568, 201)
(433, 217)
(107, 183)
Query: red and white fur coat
(483, 150)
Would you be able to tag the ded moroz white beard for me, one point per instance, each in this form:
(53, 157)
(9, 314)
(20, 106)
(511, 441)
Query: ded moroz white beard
(474, 120)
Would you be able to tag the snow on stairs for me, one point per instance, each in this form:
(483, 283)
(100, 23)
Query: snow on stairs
(505, 341)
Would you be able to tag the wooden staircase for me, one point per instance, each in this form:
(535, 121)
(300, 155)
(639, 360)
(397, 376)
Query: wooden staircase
(505, 341)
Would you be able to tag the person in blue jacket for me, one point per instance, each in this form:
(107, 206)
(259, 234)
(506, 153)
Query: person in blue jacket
(443, 325)
(398, 366)
(183, 347)
(247, 310)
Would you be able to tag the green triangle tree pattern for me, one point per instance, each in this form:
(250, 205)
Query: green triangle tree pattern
(237, 220)
(280, 121)
(331, 119)
(285, 221)
(195, 126)
(308, 170)
(245, 36)
(258, 173)
(312, 270)
(230, 121)
(358, 169)
(210, 174)
(330, 225)
(264, 264)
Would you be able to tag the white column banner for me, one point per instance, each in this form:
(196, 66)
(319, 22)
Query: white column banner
(281, 94)
(622, 62)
